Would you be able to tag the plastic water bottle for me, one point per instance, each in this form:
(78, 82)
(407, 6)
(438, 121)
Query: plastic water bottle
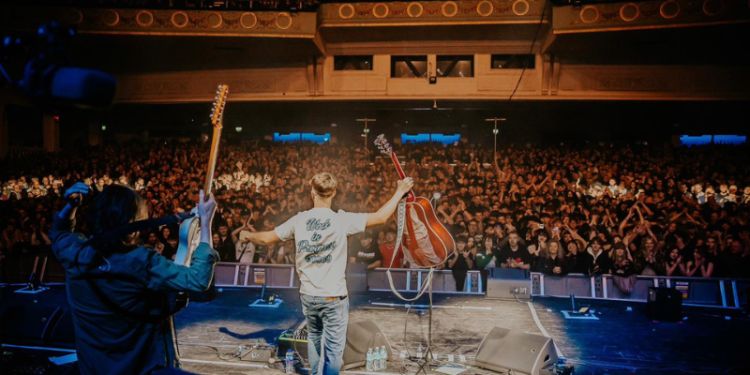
(376, 359)
(383, 358)
(419, 351)
(369, 359)
(289, 362)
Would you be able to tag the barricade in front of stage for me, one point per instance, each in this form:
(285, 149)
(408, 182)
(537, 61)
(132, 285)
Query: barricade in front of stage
(358, 278)
(283, 276)
(696, 291)
(711, 292)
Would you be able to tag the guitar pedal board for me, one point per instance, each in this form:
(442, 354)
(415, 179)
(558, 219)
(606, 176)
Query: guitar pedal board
(257, 353)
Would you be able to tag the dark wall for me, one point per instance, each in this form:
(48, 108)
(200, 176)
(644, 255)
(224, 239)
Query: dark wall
(536, 122)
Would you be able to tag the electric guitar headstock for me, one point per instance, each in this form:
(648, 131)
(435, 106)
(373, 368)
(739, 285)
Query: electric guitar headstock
(386, 149)
(382, 144)
(217, 120)
(220, 101)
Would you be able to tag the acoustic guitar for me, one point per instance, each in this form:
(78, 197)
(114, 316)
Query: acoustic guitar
(190, 228)
(426, 242)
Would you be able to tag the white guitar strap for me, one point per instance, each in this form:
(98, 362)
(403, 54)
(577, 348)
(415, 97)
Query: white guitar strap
(400, 222)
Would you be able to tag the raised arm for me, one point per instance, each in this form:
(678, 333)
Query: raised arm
(66, 244)
(236, 232)
(645, 208)
(266, 238)
(166, 275)
(384, 212)
(624, 223)
(640, 215)
(576, 237)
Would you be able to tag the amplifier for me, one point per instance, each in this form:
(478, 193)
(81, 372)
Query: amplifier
(295, 339)
(664, 304)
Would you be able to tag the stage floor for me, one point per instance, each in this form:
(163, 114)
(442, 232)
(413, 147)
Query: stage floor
(619, 342)
(706, 341)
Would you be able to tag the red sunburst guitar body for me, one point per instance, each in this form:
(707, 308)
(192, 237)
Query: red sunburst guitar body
(426, 242)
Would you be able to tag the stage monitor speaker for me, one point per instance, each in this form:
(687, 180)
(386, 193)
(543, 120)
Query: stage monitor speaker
(36, 324)
(504, 349)
(361, 336)
(664, 304)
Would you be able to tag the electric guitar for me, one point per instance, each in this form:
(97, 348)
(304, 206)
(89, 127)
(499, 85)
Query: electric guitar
(190, 228)
(426, 242)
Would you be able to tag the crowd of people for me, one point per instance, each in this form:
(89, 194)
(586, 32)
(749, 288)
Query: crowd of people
(590, 209)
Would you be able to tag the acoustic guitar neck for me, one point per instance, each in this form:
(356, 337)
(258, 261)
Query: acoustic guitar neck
(385, 148)
(410, 196)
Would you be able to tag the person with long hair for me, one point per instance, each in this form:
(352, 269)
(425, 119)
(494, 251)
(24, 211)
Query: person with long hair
(120, 291)
(553, 263)
(699, 266)
(461, 261)
(485, 258)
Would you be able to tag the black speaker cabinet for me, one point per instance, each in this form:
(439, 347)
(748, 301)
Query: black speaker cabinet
(504, 349)
(36, 324)
(664, 304)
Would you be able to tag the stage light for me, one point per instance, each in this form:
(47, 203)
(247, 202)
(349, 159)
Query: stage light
(238, 129)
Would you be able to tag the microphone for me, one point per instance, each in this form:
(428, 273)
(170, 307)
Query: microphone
(75, 199)
(181, 216)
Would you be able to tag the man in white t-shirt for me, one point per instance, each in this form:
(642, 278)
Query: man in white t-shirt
(320, 235)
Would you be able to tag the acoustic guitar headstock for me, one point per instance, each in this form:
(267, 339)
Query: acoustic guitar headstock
(382, 144)
(220, 101)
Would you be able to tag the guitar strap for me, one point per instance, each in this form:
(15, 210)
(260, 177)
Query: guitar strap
(400, 222)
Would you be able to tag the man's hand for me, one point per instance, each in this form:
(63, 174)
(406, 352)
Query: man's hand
(405, 185)
(384, 212)
(206, 208)
(75, 194)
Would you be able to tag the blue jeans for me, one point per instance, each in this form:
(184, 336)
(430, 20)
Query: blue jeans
(326, 320)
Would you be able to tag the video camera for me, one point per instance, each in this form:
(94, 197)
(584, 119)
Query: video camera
(44, 74)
